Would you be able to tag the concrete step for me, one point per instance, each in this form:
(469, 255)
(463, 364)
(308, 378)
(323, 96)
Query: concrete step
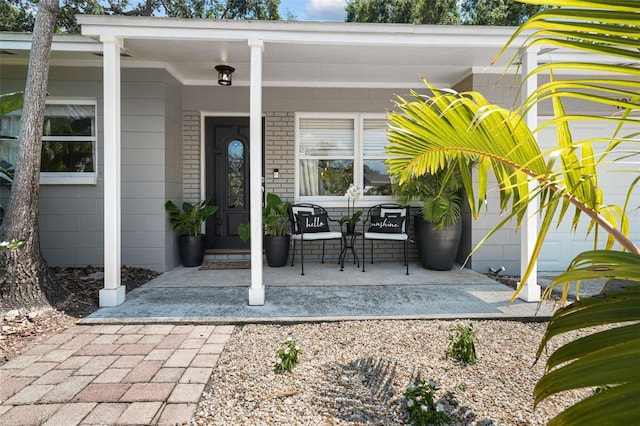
(226, 255)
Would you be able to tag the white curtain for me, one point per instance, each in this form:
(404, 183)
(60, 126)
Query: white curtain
(309, 182)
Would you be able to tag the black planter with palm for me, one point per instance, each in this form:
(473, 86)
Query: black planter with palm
(437, 248)
(187, 222)
(191, 249)
(276, 248)
(275, 218)
(438, 228)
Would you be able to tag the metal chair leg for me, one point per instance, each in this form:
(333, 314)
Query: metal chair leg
(302, 255)
(294, 252)
(406, 255)
(364, 253)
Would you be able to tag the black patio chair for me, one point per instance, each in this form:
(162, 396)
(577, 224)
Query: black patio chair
(386, 222)
(310, 222)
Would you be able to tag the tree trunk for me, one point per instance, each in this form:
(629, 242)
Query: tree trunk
(25, 280)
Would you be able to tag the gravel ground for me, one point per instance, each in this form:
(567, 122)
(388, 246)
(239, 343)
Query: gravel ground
(355, 373)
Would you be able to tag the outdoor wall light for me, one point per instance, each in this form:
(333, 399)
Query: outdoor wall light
(224, 74)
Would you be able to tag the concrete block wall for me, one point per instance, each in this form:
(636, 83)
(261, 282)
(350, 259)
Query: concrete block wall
(503, 248)
(173, 163)
(71, 224)
(151, 136)
(71, 216)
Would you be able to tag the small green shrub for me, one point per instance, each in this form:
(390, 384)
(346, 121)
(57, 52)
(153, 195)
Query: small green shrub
(421, 406)
(9, 245)
(462, 343)
(287, 356)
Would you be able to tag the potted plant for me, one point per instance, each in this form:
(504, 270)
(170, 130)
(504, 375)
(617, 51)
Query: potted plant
(187, 223)
(438, 227)
(352, 194)
(275, 217)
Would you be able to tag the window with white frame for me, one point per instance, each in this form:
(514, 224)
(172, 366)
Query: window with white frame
(336, 150)
(68, 142)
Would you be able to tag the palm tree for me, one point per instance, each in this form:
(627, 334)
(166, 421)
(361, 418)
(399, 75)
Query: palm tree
(426, 134)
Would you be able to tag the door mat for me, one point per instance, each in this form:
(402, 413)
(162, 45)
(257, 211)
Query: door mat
(210, 266)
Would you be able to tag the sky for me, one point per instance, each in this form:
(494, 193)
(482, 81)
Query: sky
(314, 10)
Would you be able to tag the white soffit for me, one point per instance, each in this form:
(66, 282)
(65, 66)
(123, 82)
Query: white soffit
(296, 54)
(305, 54)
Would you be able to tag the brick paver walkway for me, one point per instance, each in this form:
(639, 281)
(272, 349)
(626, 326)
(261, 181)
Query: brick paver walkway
(112, 374)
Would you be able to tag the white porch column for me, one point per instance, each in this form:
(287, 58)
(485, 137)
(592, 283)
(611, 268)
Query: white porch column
(256, 290)
(113, 292)
(531, 290)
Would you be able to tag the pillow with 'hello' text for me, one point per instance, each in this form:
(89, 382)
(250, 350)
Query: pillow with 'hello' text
(311, 223)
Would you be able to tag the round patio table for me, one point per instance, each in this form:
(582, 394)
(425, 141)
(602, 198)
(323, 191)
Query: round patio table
(348, 243)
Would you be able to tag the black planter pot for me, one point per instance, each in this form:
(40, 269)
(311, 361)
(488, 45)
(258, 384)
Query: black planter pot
(437, 248)
(277, 250)
(191, 250)
(351, 228)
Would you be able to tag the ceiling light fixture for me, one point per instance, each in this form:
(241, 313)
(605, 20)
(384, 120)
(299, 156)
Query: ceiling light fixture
(224, 74)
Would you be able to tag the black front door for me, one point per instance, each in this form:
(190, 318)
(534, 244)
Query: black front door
(227, 179)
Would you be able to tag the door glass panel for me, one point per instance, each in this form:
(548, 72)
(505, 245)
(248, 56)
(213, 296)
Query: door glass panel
(235, 173)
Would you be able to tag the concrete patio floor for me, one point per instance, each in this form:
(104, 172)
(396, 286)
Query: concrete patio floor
(324, 293)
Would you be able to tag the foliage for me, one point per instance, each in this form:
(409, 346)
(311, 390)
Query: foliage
(335, 175)
(10, 245)
(403, 11)
(608, 356)
(8, 102)
(440, 194)
(462, 343)
(469, 12)
(244, 231)
(189, 220)
(11, 102)
(496, 12)
(352, 194)
(429, 133)
(421, 405)
(287, 356)
(275, 216)
(18, 15)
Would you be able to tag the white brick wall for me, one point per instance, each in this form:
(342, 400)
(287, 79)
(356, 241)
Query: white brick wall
(191, 155)
(279, 153)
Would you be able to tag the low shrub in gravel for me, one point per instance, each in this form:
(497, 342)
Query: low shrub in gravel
(422, 407)
(287, 356)
(462, 343)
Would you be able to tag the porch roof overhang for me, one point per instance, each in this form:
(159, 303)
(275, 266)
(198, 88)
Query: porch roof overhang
(305, 54)
(296, 54)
